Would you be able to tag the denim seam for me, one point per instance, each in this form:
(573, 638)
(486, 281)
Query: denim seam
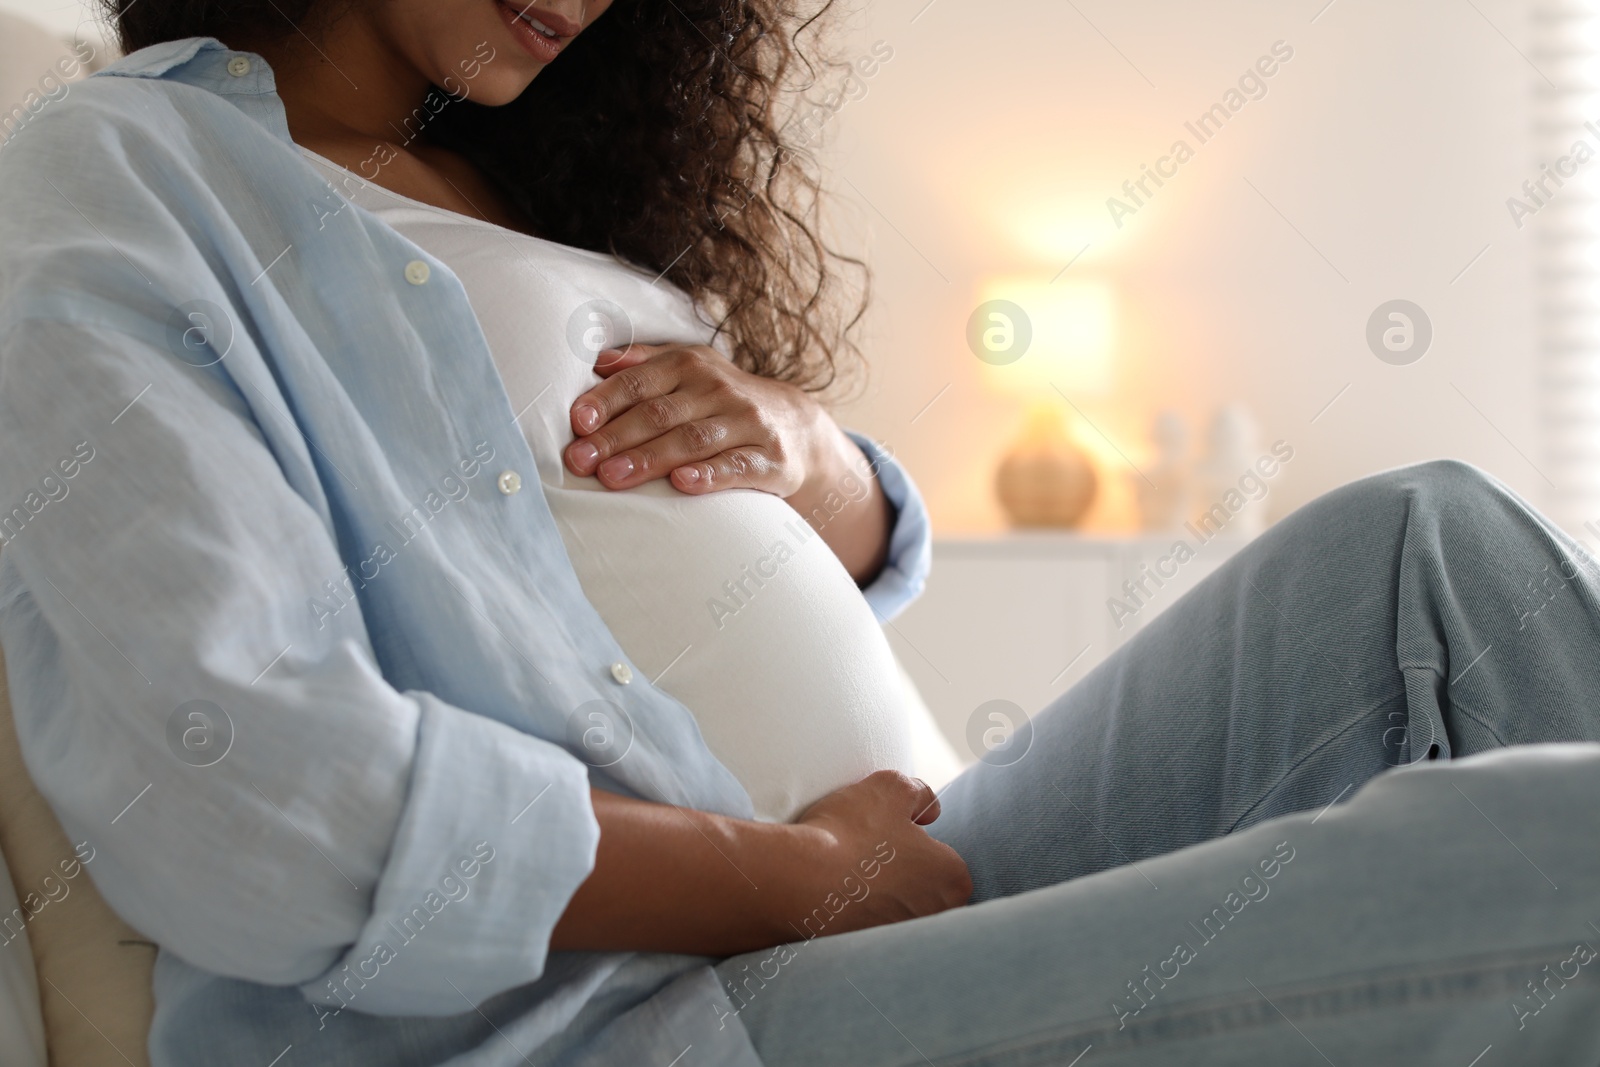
(1460, 707)
(1461, 979)
(1457, 705)
(1355, 721)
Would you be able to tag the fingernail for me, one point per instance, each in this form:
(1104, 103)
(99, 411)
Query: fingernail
(689, 474)
(586, 417)
(617, 468)
(584, 455)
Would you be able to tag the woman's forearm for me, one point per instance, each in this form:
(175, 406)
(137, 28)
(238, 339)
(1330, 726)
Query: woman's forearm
(670, 879)
(843, 502)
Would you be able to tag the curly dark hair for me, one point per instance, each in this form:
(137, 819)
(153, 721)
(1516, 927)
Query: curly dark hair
(658, 137)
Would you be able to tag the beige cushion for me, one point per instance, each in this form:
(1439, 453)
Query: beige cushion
(21, 1022)
(94, 969)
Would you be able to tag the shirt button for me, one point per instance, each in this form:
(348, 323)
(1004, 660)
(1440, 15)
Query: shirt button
(416, 272)
(621, 672)
(509, 482)
(239, 66)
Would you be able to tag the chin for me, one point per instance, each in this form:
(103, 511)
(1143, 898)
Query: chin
(483, 69)
(494, 89)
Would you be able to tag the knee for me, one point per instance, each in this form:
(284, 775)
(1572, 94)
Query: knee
(1438, 483)
(1453, 474)
(1373, 514)
(1441, 490)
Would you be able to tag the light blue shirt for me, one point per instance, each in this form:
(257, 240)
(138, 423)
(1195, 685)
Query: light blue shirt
(338, 787)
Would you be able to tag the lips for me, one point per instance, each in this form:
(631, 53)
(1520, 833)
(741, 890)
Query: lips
(551, 24)
(540, 33)
(548, 23)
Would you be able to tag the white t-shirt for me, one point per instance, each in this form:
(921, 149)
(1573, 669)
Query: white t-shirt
(729, 601)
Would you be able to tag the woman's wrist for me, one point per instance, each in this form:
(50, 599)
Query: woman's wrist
(786, 860)
(671, 879)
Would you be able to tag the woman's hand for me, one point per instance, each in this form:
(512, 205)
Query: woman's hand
(669, 879)
(874, 854)
(686, 413)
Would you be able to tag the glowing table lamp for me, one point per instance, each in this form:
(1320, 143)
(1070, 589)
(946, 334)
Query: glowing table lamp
(1044, 342)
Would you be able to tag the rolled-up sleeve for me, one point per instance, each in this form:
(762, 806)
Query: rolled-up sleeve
(905, 572)
(261, 801)
(493, 837)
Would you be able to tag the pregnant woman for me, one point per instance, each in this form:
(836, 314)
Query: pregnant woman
(437, 594)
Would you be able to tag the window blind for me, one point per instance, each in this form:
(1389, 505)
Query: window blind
(1564, 45)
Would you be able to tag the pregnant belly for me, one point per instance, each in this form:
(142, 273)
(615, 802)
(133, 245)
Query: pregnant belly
(737, 608)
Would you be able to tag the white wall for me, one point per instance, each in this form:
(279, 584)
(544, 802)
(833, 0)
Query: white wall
(1390, 141)
(62, 16)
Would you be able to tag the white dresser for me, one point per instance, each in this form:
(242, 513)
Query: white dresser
(1021, 616)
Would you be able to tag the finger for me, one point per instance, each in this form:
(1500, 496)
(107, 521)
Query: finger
(622, 390)
(656, 435)
(683, 445)
(925, 807)
(735, 468)
(957, 885)
(611, 360)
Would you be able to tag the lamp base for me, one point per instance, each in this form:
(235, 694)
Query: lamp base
(1045, 480)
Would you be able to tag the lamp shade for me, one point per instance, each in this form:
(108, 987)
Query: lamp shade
(1066, 331)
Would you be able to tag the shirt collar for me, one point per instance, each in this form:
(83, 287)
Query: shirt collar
(207, 63)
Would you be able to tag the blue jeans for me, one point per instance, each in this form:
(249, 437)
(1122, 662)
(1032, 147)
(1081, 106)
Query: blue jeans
(1250, 835)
